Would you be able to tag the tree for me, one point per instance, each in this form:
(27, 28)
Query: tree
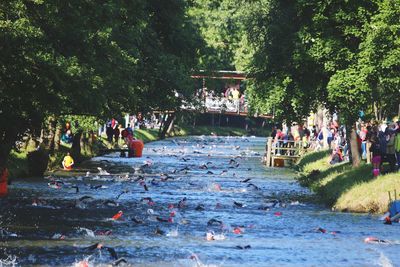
(284, 73)
(92, 57)
(379, 59)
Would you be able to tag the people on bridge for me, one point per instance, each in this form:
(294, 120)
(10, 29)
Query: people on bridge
(235, 94)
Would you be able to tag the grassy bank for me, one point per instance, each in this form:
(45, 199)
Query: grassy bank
(18, 164)
(345, 188)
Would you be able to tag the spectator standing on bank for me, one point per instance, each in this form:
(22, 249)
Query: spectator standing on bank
(390, 148)
(397, 145)
(117, 132)
(109, 132)
(376, 155)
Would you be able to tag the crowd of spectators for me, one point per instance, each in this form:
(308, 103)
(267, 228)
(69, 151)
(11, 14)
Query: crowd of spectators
(377, 143)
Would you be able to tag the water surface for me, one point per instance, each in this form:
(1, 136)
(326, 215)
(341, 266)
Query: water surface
(206, 171)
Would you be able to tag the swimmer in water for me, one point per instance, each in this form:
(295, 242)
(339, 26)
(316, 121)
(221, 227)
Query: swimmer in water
(100, 246)
(55, 184)
(158, 231)
(117, 216)
(200, 207)
(254, 186)
(103, 232)
(136, 220)
(203, 167)
(111, 203)
(238, 204)
(214, 222)
(244, 247)
(374, 240)
(123, 192)
(182, 203)
(211, 236)
(143, 183)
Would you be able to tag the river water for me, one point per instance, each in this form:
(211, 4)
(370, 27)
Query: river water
(273, 223)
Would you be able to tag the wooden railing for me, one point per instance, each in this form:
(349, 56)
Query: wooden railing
(283, 150)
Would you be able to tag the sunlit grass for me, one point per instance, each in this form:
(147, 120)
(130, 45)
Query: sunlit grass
(370, 195)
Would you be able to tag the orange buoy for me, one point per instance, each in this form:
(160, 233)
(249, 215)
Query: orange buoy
(137, 146)
(3, 182)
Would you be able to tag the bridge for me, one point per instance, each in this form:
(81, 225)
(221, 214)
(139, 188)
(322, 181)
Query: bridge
(212, 104)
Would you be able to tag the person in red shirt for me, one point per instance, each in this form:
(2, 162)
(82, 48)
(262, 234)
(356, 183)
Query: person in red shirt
(3, 182)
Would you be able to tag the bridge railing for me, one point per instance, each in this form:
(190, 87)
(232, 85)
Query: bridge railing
(222, 104)
(283, 150)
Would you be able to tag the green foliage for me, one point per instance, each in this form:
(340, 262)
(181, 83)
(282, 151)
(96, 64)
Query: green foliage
(221, 24)
(340, 54)
(379, 58)
(351, 93)
(93, 58)
(81, 122)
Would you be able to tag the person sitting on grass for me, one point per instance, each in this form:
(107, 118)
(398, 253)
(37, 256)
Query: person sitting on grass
(337, 156)
(68, 162)
(66, 138)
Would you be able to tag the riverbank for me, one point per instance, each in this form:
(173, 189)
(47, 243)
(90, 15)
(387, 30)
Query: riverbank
(345, 188)
(18, 162)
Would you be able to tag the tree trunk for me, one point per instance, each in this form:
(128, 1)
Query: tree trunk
(52, 133)
(161, 125)
(166, 125)
(91, 142)
(31, 143)
(7, 141)
(171, 125)
(354, 150)
(48, 133)
(86, 144)
(76, 146)
(57, 138)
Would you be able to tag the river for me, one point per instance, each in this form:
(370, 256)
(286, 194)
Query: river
(273, 223)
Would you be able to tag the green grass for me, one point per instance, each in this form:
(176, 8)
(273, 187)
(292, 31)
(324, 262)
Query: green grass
(146, 135)
(370, 195)
(346, 188)
(312, 161)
